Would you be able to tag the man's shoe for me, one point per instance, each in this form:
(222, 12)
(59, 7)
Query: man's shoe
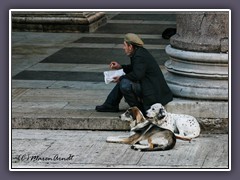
(107, 108)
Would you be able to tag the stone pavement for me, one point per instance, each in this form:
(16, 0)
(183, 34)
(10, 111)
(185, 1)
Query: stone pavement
(57, 80)
(64, 149)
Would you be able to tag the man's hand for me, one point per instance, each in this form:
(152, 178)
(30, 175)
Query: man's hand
(115, 65)
(116, 79)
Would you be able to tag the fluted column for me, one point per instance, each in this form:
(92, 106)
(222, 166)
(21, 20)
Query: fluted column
(198, 56)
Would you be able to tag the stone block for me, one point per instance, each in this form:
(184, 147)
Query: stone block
(57, 21)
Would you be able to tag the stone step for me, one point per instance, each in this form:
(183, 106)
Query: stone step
(74, 109)
(76, 119)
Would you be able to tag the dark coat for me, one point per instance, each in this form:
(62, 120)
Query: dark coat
(145, 70)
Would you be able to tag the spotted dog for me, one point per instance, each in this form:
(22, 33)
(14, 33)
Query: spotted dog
(158, 139)
(185, 125)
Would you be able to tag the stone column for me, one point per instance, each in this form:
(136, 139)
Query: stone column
(198, 64)
(57, 21)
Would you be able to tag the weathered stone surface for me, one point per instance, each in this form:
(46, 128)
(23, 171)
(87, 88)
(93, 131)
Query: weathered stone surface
(38, 113)
(198, 88)
(202, 31)
(214, 125)
(57, 21)
(197, 75)
(197, 64)
(88, 149)
(199, 108)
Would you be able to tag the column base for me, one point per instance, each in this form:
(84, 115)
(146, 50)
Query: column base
(197, 75)
(57, 21)
(197, 88)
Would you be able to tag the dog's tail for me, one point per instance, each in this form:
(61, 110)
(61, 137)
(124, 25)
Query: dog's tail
(115, 139)
(183, 138)
(125, 139)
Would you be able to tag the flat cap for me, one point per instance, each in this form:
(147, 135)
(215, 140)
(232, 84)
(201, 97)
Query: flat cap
(133, 39)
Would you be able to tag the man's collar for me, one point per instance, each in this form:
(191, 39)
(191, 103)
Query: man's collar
(133, 53)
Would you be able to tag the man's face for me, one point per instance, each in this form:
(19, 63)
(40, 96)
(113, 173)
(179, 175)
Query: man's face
(128, 49)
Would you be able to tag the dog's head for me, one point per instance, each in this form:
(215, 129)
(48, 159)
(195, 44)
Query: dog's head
(133, 114)
(156, 111)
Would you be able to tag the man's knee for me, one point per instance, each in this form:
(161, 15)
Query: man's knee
(125, 86)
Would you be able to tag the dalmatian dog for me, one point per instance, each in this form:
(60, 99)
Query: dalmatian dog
(184, 125)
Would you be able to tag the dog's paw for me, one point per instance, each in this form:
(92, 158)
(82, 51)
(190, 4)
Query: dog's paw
(132, 147)
(138, 147)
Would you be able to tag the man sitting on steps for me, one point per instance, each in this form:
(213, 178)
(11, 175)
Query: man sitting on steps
(143, 84)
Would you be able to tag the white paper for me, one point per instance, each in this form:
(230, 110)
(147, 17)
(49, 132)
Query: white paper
(109, 75)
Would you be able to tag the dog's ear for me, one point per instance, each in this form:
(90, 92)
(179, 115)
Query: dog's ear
(161, 114)
(131, 112)
(137, 115)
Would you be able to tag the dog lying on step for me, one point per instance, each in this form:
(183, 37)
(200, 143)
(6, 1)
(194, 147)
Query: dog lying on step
(158, 139)
(187, 126)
